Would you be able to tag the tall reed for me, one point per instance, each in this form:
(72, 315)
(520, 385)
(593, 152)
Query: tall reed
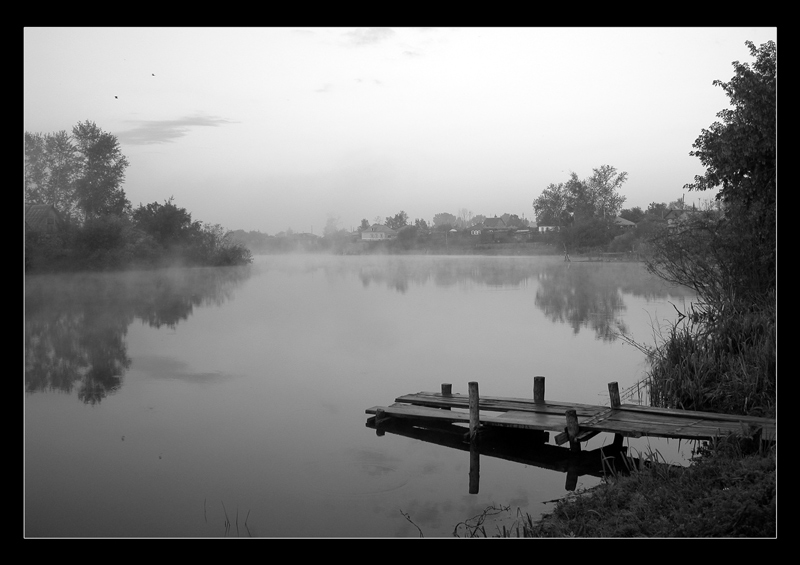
(718, 358)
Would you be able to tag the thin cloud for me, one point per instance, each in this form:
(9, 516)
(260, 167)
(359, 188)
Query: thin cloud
(369, 35)
(149, 132)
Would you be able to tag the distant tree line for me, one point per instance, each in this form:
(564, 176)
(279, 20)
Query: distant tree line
(81, 175)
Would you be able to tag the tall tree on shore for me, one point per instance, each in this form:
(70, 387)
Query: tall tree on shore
(732, 258)
(550, 205)
(81, 174)
(98, 188)
(581, 200)
(51, 166)
(739, 151)
(604, 185)
(444, 220)
(397, 221)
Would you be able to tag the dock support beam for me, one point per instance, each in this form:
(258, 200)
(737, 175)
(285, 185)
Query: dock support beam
(379, 417)
(572, 429)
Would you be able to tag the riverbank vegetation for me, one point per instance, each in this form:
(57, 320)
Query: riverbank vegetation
(721, 355)
(729, 491)
(78, 217)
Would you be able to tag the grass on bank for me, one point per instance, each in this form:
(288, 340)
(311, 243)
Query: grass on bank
(726, 492)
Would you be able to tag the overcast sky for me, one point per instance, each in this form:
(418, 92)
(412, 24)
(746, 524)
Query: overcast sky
(274, 128)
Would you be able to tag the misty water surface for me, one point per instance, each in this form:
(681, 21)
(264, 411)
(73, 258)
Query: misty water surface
(160, 403)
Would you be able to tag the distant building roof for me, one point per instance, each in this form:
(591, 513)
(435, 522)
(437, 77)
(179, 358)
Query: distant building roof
(494, 223)
(381, 228)
(42, 217)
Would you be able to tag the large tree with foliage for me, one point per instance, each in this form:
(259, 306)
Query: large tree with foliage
(739, 151)
(444, 220)
(397, 221)
(81, 174)
(551, 205)
(179, 237)
(51, 166)
(99, 186)
(581, 200)
(732, 258)
(604, 186)
(169, 225)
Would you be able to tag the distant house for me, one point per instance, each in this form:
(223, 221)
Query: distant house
(543, 229)
(623, 223)
(477, 229)
(674, 216)
(42, 218)
(493, 224)
(378, 232)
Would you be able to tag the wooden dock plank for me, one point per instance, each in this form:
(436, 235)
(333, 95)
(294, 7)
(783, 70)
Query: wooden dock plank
(406, 411)
(695, 414)
(528, 420)
(499, 404)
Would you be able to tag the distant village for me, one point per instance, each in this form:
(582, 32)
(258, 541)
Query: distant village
(450, 233)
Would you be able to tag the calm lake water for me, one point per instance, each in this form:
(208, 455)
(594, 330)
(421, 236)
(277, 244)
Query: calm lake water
(163, 403)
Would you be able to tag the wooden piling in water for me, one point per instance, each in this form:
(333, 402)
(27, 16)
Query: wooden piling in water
(447, 390)
(538, 390)
(613, 395)
(474, 467)
(474, 411)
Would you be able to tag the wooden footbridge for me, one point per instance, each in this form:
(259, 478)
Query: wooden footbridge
(573, 423)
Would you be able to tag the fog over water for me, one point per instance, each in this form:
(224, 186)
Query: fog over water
(158, 403)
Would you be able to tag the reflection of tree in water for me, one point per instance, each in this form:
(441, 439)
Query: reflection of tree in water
(579, 294)
(582, 297)
(75, 325)
(444, 271)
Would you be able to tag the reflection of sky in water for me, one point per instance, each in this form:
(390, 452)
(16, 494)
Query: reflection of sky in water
(157, 367)
(290, 358)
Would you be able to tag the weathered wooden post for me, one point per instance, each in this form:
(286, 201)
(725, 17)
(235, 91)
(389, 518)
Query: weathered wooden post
(572, 475)
(474, 413)
(538, 390)
(572, 429)
(613, 395)
(447, 390)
